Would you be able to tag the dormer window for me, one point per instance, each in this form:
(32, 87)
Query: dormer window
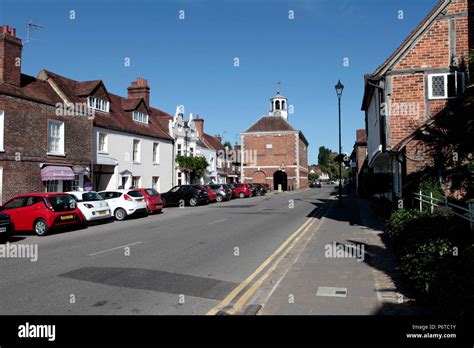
(98, 104)
(140, 117)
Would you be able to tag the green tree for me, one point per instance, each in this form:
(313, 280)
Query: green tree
(228, 144)
(324, 155)
(196, 164)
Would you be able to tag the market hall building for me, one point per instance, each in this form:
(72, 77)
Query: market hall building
(273, 152)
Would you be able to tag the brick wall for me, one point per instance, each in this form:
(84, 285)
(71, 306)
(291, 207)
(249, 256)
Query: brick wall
(10, 57)
(430, 51)
(283, 151)
(26, 133)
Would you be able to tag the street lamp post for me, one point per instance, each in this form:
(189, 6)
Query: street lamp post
(186, 130)
(339, 88)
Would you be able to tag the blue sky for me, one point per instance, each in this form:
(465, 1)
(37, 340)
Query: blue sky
(191, 61)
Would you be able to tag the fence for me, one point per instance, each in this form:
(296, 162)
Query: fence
(466, 213)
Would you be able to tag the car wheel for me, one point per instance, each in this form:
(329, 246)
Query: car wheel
(41, 227)
(120, 214)
(193, 202)
(241, 195)
(163, 200)
(219, 198)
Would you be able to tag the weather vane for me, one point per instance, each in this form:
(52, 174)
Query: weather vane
(278, 87)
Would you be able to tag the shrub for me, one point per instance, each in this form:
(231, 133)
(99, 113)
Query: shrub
(423, 265)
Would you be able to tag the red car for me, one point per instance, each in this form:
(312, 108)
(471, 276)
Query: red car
(152, 199)
(210, 192)
(241, 190)
(41, 212)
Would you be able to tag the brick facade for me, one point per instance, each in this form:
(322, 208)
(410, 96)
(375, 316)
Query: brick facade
(26, 144)
(268, 152)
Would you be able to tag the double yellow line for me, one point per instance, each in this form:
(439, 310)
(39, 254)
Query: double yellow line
(275, 257)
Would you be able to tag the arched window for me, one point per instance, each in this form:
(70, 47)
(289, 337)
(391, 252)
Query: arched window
(277, 105)
(283, 105)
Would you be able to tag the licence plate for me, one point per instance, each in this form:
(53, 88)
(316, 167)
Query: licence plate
(3, 229)
(102, 212)
(67, 217)
(139, 200)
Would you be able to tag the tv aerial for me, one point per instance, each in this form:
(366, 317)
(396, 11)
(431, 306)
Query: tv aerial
(30, 26)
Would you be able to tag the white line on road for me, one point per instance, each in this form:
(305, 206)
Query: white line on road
(119, 247)
(215, 222)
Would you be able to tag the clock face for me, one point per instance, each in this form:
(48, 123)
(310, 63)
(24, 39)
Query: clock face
(277, 113)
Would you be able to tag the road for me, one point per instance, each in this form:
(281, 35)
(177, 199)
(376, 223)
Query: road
(183, 261)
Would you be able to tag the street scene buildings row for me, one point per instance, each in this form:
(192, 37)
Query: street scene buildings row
(58, 134)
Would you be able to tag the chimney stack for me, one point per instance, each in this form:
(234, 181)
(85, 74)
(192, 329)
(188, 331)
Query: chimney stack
(10, 56)
(139, 89)
(218, 137)
(199, 122)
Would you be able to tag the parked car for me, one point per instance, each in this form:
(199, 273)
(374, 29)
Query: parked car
(210, 192)
(229, 190)
(261, 190)
(224, 193)
(6, 227)
(253, 190)
(41, 212)
(92, 206)
(242, 190)
(153, 201)
(185, 195)
(125, 203)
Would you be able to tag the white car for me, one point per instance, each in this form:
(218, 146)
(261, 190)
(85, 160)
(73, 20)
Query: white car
(124, 203)
(91, 205)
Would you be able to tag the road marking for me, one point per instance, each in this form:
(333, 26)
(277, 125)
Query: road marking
(119, 247)
(233, 294)
(248, 294)
(215, 222)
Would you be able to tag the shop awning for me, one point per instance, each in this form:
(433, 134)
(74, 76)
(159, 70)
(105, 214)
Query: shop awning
(57, 173)
(80, 170)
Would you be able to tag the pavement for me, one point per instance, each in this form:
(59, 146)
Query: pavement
(183, 261)
(342, 267)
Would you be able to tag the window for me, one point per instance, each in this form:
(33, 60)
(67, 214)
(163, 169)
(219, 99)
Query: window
(98, 104)
(52, 186)
(2, 126)
(155, 183)
(179, 149)
(136, 150)
(55, 137)
(14, 203)
(33, 200)
(135, 181)
(443, 86)
(156, 153)
(191, 152)
(102, 142)
(75, 183)
(140, 117)
(269, 146)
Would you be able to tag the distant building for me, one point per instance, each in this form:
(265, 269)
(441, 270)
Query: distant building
(273, 152)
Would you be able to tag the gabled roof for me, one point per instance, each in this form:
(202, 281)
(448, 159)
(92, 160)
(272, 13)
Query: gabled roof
(406, 44)
(32, 89)
(270, 124)
(212, 142)
(119, 116)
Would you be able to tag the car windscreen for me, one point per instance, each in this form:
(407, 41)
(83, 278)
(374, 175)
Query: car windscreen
(62, 203)
(91, 197)
(152, 192)
(135, 194)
